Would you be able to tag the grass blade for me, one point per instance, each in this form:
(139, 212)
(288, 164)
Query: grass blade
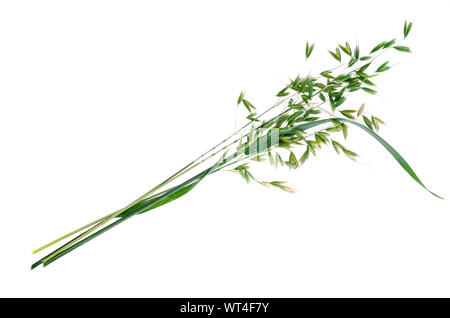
(393, 152)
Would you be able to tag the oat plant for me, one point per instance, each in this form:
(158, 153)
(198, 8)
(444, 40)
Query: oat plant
(310, 113)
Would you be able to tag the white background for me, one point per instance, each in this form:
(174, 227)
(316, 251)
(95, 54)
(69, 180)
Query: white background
(101, 100)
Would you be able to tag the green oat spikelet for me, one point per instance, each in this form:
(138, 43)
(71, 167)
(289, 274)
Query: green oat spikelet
(302, 122)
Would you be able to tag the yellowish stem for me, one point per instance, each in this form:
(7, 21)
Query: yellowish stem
(69, 234)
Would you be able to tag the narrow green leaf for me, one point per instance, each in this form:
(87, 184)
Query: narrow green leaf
(348, 113)
(253, 117)
(241, 97)
(379, 46)
(368, 82)
(345, 130)
(369, 90)
(326, 74)
(383, 67)
(375, 124)
(406, 28)
(339, 102)
(347, 49)
(352, 62)
(279, 160)
(403, 49)
(364, 67)
(309, 49)
(394, 154)
(305, 156)
(271, 159)
(296, 82)
(319, 85)
(283, 92)
(383, 142)
(337, 146)
(368, 122)
(322, 97)
(248, 105)
(297, 106)
(376, 121)
(350, 154)
(356, 53)
(303, 86)
(293, 160)
(311, 147)
(336, 55)
(250, 134)
(150, 204)
(389, 44)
